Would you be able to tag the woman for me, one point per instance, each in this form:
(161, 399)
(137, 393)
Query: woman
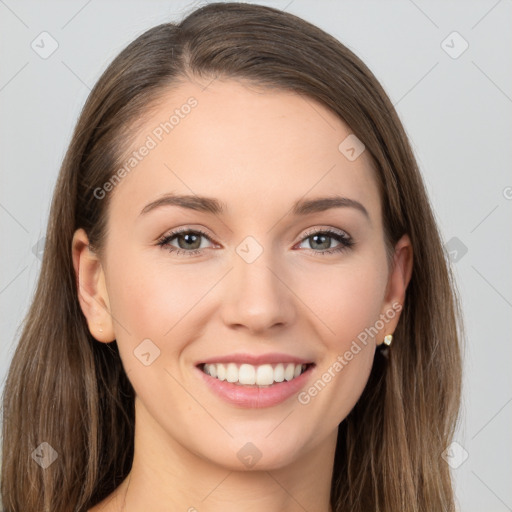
(244, 301)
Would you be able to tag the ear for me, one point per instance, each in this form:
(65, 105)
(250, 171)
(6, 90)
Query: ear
(398, 281)
(92, 290)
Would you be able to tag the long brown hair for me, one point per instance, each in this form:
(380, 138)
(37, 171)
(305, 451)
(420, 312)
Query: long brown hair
(65, 389)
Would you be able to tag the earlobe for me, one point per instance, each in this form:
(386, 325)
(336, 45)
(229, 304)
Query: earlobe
(398, 281)
(91, 288)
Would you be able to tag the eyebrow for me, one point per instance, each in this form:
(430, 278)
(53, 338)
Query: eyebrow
(216, 207)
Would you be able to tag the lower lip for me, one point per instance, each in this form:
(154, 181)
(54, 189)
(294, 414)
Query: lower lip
(254, 396)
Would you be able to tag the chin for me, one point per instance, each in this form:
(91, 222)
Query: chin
(256, 453)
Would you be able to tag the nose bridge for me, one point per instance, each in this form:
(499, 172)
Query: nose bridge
(257, 298)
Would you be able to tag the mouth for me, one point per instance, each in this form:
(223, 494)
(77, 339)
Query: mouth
(252, 381)
(255, 376)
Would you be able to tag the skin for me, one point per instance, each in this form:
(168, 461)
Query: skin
(258, 152)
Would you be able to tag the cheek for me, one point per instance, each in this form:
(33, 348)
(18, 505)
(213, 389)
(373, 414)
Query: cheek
(349, 307)
(347, 300)
(152, 297)
(146, 300)
(146, 289)
(152, 301)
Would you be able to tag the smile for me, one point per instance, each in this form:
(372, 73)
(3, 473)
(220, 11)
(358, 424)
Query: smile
(252, 375)
(255, 385)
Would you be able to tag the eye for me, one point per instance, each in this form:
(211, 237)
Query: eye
(323, 240)
(189, 241)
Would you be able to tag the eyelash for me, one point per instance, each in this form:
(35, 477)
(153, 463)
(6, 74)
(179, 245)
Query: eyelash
(345, 241)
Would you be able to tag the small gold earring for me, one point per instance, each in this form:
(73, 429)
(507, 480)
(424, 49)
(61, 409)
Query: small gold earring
(388, 339)
(100, 329)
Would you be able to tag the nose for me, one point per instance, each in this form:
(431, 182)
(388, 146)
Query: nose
(257, 296)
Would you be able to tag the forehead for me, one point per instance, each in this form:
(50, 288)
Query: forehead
(251, 148)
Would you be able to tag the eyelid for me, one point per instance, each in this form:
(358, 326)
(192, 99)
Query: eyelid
(171, 233)
(324, 229)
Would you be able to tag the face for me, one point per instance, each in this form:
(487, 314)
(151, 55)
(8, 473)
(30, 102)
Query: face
(252, 279)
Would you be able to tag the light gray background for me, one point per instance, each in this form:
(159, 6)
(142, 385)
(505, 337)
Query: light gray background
(457, 112)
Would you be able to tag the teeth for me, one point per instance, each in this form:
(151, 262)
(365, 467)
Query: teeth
(279, 372)
(247, 374)
(250, 375)
(231, 373)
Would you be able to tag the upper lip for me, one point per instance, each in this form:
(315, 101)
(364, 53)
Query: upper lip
(255, 359)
